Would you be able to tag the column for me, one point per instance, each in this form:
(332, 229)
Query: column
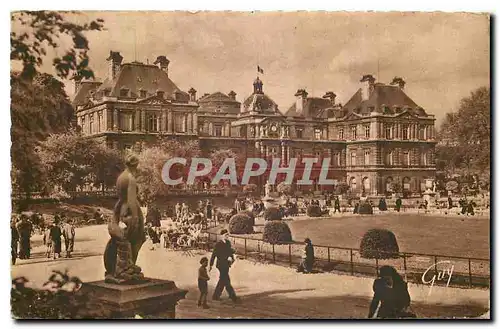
(163, 121)
(228, 129)
(210, 129)
(143, 120)
(283, 153)
(189, 123)
(287, 154)
(169, 121)
(262, 150)
(137, 119)
(195, 123)
(116, 125)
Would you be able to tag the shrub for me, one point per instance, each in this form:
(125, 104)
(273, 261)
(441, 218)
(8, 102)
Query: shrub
(249, 214)
(365, 209)
(60, 299)
(273, 213)
(277, 232)
(314, 211)
(240, 224)
(379, 243)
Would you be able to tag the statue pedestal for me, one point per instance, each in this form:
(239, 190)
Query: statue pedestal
(268, 202)
(154, 297)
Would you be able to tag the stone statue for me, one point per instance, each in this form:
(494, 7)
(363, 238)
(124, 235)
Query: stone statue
(267, 188)
(434, 187)
(126, 230)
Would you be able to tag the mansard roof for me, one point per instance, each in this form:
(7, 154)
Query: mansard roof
(137, 77)
(383, 99)
(84, 92)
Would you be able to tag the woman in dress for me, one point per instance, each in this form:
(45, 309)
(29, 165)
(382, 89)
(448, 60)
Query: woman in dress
(391, 296)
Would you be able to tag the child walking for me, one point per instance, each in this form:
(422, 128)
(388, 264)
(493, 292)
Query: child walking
(203, 282)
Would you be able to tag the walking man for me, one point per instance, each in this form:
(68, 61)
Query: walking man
(68, 232)
(225, 258)
(336, 205)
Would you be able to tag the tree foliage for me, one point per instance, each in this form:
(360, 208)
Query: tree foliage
(34, 32)
(71, 160)
(464, 137)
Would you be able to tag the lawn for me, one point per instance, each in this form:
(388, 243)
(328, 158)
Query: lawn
(451, 236)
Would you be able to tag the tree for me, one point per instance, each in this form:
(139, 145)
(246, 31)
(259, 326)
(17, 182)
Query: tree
(71, 160)
(39, 104)
(34, 32)
(464, 137)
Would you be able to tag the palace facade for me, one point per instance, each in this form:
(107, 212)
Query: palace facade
(379, 137)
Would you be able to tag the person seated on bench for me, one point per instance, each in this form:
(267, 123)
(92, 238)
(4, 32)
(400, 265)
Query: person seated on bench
(307, 263)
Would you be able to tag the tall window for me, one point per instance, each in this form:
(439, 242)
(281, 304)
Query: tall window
(424, 158)
(218, 130)
(300, 132)
(367, 157)
(127, 121)
(143, 93)
(336, 159)
(406, 132)
(317, 133)
(180, 123)
(123, 92)
(91, 124)
(341, 133)
(367, 131)
(406, 158)
(390, 158)
(421, 132)
(388, 131)
(100, 122)
(354, 135)
(353, 158)
(82, 123)
(152, 121)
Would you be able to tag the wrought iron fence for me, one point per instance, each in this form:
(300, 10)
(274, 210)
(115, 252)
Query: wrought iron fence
(467, 271)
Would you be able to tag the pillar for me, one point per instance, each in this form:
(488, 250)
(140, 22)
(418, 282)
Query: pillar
(210, 129)
(283, 153)
(228, 129)
(195, 123)
(137, 126)
(143, 120)
(163, 121)
(169, 121)
(116, 125)
(189, 123)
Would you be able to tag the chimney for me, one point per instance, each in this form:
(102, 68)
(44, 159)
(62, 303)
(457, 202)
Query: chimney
(257, 86)
(232, 95)
(399, 81)
(331, 96)
(78, 82)
(162, 63)
(114, 64)
(368, 81)
(301, 95)
(192, 94)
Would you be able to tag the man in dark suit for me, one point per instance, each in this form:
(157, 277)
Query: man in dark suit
(225, 258)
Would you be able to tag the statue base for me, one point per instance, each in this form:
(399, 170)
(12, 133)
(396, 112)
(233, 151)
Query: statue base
(151, 298)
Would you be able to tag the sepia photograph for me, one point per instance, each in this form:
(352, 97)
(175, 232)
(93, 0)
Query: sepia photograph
(250, 165)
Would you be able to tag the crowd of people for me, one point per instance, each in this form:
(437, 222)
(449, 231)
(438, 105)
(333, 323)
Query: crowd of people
(24, 226)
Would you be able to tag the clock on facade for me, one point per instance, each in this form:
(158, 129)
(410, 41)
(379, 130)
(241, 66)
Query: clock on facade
(274, 128)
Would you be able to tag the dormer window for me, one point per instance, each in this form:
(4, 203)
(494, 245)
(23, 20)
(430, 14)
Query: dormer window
(143, 93)
(107, 92)
(160, 94)
(123, 92)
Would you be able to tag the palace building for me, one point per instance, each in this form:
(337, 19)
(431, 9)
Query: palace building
(378, 138)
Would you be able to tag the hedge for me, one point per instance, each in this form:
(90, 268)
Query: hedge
(380, 244)
(365, 209)
(240, 224)
(314, 211)
(273, 213)
(277, 232)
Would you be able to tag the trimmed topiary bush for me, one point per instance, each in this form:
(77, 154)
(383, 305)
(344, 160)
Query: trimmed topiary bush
(365, 209)
(273, 213)
(380, 244)
(249, 214)
(277, 232)
(240, 224)
(284, 188)
(314, 211)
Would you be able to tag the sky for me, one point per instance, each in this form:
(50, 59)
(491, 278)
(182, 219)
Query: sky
(441, 56)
